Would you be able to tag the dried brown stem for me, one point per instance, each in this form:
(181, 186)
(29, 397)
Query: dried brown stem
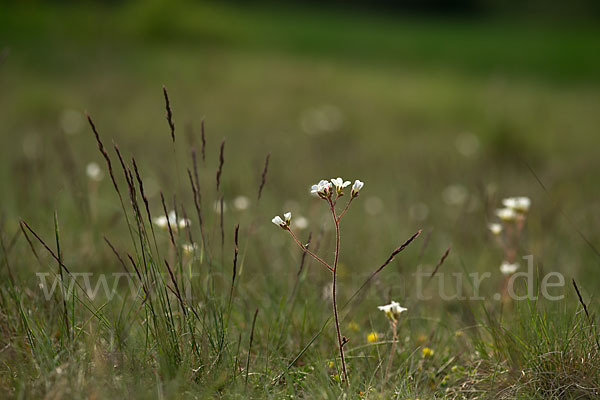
(440, 262)
(221, 162)
(169, 113)
(162, 199)
(203, 142)
(263, 177)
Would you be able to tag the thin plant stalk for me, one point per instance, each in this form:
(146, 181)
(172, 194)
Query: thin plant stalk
(394, 325)
(310, 253)
(334, 292)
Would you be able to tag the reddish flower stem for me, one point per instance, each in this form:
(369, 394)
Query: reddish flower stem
(310, 253)
(334, 294)
(345, 209)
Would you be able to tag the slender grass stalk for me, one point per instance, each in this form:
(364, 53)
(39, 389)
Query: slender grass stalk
(587, 314)
(250, 345)
(5, 253)
(263, 176)
(169, 114)
(221, 162)
(203, 137)
(394, 326)
(60, 273)
(235, 259)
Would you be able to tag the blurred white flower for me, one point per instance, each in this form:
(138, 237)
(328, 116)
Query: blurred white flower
(94, 172)
(184, 223)
(373, 205)
(518, 204)
(455, 195)
(507, 268)
(189, 248)
(321, 119)
(321, 189)
(71, 121)
(241, 203)
(300, 222)
(495, 228)
(339, 184)
(418, 212)
(32, 146)
(356, 187)
(163, 221)
(467, 144)
(392, 310)
(506, 214)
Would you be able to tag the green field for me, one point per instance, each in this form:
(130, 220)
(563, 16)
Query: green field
(441, 118)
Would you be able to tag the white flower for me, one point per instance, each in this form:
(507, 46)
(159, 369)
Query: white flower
(283, 223)
(300, 222)
(506, 214)
(508, 269)
(241, 203)
(455, 194)
(189, 248)
(163, 221)
(339, 184)
(392, 310)
(94, 172)
(358, 185)
(321, 189)
(518, 204)
(373, 205)
(184, 223)
(495, 228)
(288, 217)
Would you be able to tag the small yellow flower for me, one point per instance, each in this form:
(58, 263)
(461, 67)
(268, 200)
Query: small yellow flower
(427, 352)
(330, 364)
(353, 326)
(372, 337)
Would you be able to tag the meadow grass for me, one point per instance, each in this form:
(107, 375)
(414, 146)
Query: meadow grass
(245, 314)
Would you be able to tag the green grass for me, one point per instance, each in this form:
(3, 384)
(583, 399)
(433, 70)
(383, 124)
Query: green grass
(401, 92)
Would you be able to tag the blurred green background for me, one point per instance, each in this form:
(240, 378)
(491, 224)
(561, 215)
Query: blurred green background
(442, 109)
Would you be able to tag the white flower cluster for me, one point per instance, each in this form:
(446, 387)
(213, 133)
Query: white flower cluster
(513, 208)
(323, 189)
(512, 216)
(284, 222)
(164, 221)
